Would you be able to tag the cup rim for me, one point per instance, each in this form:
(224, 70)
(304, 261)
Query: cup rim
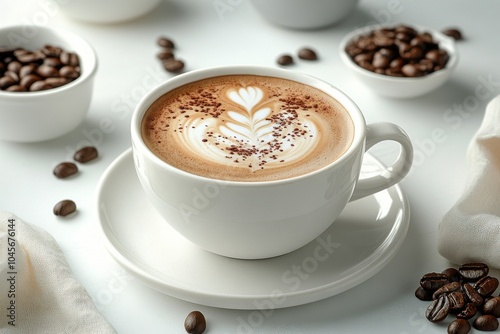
(74, 41)
(217, 71)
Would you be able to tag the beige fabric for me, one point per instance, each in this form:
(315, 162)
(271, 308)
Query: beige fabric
(38, 293)
(470, 231)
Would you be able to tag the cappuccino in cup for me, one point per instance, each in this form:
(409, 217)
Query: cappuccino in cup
(247, 128)
(252, 162)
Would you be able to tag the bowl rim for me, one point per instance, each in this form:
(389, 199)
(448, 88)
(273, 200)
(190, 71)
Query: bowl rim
(71, 39)
(449, 44)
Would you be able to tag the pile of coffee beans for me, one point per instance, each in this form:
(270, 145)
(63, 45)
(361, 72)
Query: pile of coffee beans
(66, 169)
(466, 293)
(195, 323)
(49, 67)
(304, 53)
(401, 51)
(167, 57)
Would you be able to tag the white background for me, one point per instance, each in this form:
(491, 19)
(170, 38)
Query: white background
(207, 37)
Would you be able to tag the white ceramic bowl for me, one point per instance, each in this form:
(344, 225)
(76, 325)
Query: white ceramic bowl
(401, 87)
(44, 115)
(304, 14)
(106, 11)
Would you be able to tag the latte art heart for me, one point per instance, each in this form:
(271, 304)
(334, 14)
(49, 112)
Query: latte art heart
(254, 135)
(247, 128)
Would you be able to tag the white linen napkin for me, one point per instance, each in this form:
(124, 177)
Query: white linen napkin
(470, 230)
(38, 292)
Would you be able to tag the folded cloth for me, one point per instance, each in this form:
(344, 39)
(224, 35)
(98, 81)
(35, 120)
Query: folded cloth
(38, 293)
(470, 230)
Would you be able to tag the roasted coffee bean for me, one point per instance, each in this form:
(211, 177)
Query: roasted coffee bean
(473, 271)
(453, 33)
(173, 65)
(85, 154)
(65, 169)
(438, 310)
(457, 300)
(16, 88)
(307, 54)
(485, 323)
(64, 208)
(486, 286)
(6, 82)
(14, 66)
(39, 86)
(13, 75)
(422, 294)
(453, 274)
(433, 281)
(411, 70)
(46, 71)
(446, 289)
(459, 326)
(468, 312)
(69, 58)
(472, 295)
(29, 79)
(285, 60)
(492, 306)
(165, 54)
(195, 323)
(165, 42)
(51, 51)
(52, 61)
(68, 72)
(27, 69)
(56, 82)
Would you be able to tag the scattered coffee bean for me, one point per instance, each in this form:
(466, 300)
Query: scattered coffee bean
(473, 271)
(438, 310)
(459, 326)
(453, 274)
(433, 281)
(486, 323)
(86, 154)
(468, 312)
(65, 169)
(23, 70)
(165, 42)
(285, 60)
(472, 295)
(165, 54)
(64, 208)
(422, 294)
(397, 51)
(492, 306)
(446, 289)
(173, 65)
(307, 54)
(453, 33)
(486, 286)
(195, 323)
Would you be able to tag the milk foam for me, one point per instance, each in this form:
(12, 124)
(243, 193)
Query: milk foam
(247, 128)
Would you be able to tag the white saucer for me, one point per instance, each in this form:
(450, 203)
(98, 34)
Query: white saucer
(359, 244)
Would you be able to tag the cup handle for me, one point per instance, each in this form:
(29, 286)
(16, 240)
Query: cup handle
(375, 133)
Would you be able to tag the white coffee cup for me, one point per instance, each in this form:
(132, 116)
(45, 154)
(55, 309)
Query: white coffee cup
(252, 220)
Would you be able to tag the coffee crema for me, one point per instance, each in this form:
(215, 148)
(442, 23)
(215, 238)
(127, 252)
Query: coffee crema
(247, 128)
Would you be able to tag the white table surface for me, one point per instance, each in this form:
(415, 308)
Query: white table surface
(383, 304)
